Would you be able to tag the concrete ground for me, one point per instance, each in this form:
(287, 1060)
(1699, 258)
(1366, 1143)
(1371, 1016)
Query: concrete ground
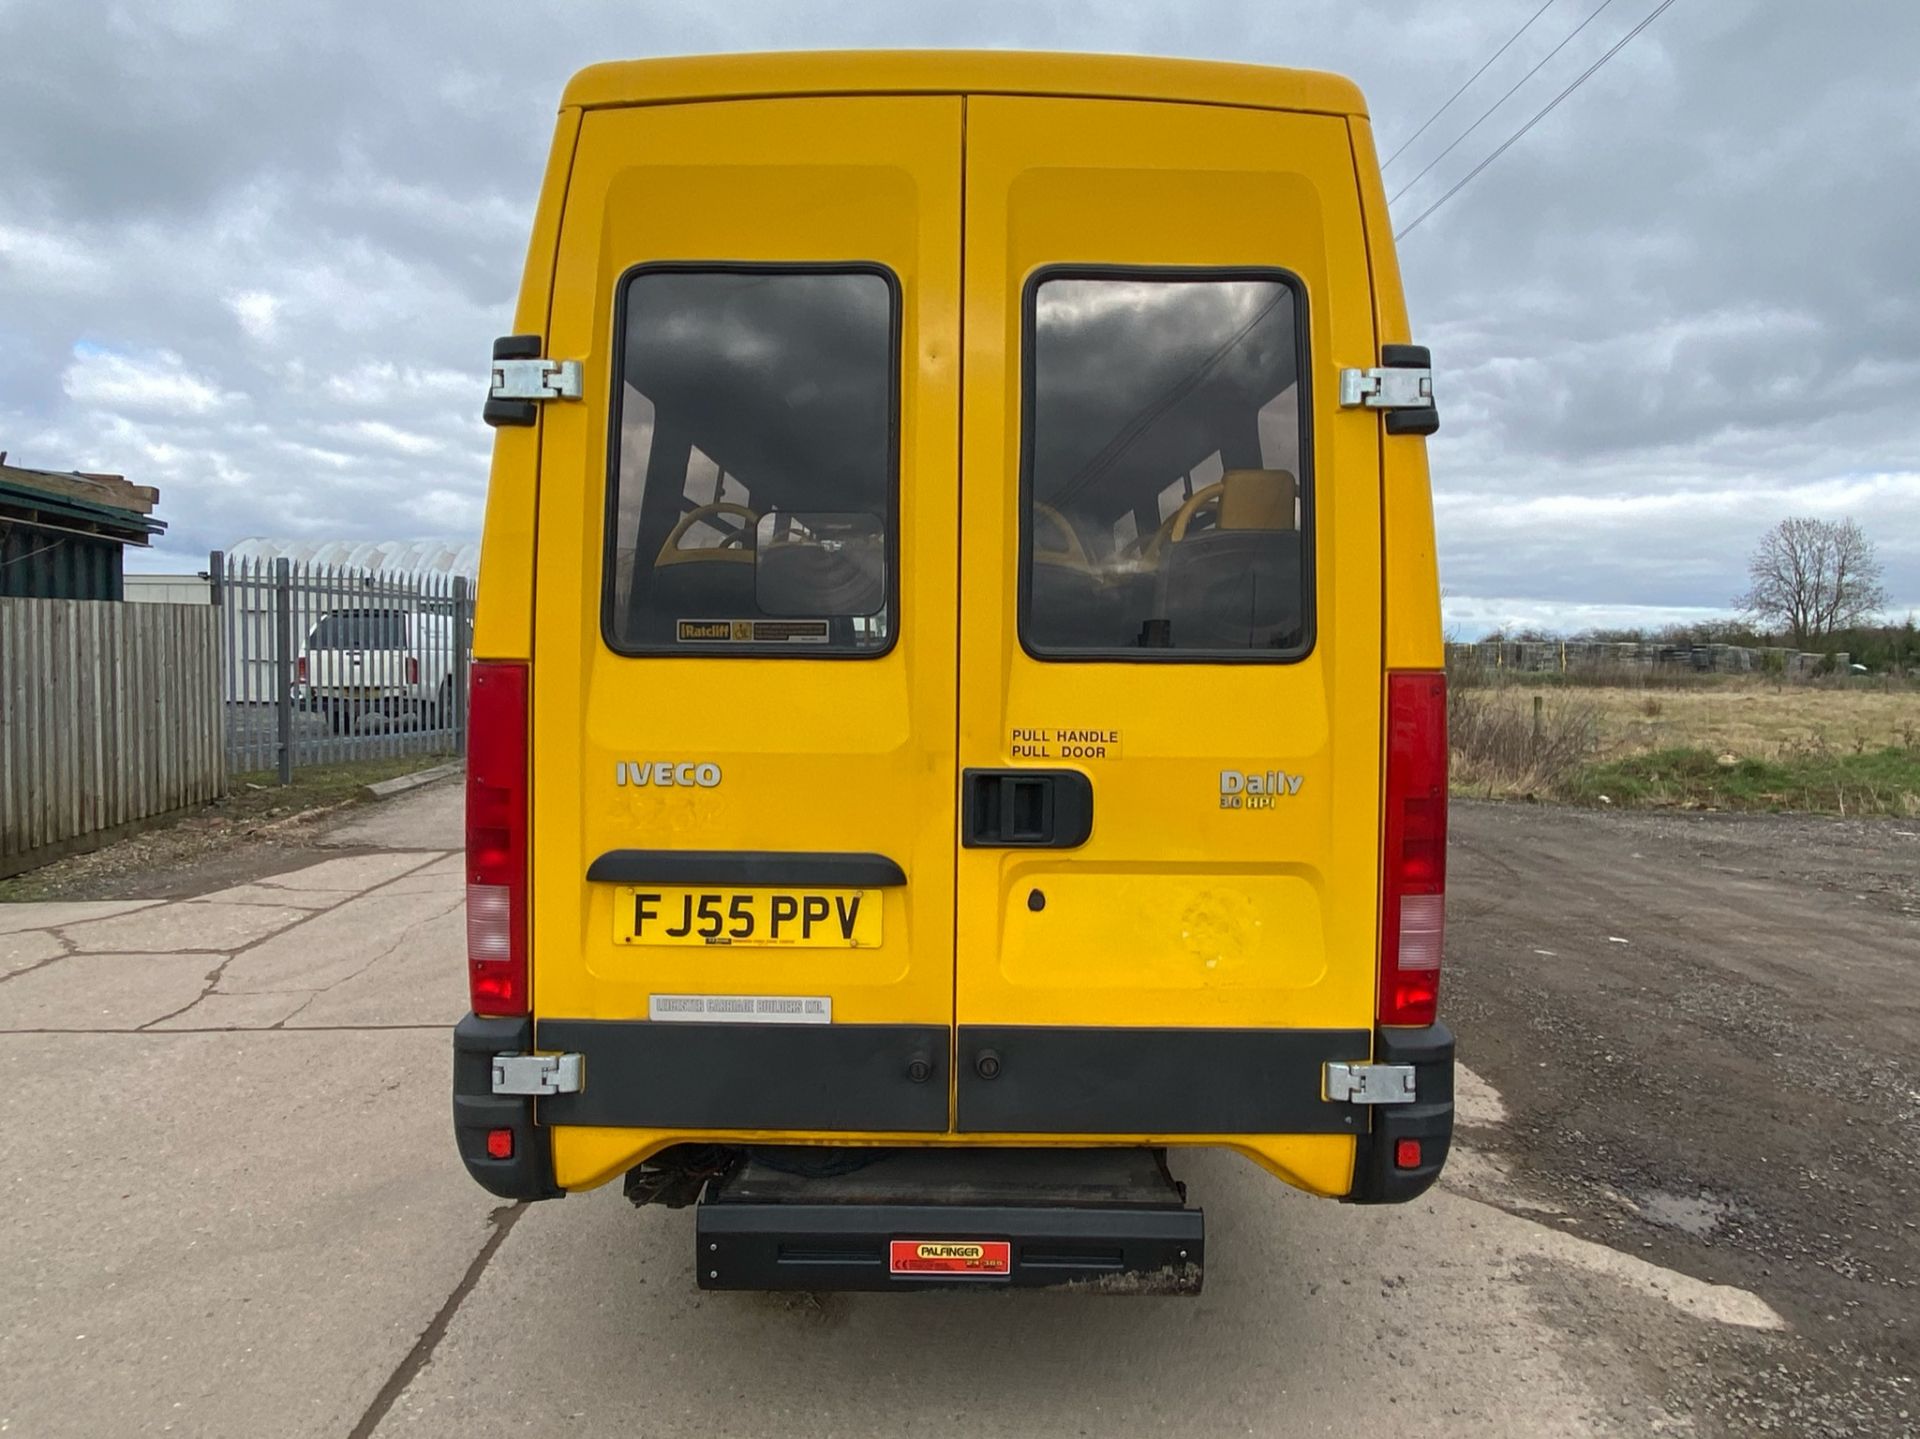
(236, 1210)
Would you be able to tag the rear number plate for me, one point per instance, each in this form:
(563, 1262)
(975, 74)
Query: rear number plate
(952, 1258)
(810, 918)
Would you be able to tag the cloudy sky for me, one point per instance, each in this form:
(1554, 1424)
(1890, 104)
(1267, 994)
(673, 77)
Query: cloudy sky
(255, 253)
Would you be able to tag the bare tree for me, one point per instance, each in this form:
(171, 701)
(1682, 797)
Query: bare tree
(1813, 577)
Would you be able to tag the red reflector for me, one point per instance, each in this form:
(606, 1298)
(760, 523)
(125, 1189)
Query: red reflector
(500, 1144)
(1413, 859)
(1406, 1152)
(497, 838)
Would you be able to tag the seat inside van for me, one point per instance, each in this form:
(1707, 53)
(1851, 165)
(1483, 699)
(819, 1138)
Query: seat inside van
(705, 566)
(1076, 597)
(1236, 582)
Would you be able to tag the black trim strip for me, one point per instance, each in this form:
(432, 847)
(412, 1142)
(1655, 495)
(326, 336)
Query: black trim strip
(1029, 1079)
(749, 868)
(710, 1077)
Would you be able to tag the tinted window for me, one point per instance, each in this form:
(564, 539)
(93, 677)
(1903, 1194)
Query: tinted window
(360, 630)
(753, 494)
(1165, 496)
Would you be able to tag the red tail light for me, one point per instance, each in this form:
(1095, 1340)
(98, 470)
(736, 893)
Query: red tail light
(1413, 878)
(300, 669)
(497, 838)
(413, 669)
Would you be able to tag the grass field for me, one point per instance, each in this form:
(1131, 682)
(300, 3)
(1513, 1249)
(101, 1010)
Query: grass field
(1732, 744)
(1754, 719)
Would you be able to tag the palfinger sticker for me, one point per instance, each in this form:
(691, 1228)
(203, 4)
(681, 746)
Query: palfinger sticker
(951, 1258)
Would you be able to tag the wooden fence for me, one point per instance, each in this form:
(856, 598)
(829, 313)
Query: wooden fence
(110, 715)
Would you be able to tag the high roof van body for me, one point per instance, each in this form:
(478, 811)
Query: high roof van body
(957, 700)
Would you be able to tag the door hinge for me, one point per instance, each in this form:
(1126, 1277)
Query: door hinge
(536, 1074)
(1401, 385)
(535, 380)
(1370, 1083)
(1387, 389)
(522, 378)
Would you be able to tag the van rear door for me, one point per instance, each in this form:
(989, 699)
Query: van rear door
(1170, 628)
(744, 653)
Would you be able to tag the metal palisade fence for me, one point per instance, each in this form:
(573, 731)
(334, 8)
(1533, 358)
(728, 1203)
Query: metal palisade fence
(323, 665)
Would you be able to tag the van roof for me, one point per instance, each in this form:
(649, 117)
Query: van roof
(979, 72)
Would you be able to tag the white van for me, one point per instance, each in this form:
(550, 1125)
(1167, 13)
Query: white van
(380, 661)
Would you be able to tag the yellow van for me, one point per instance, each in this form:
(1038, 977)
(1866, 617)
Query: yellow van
(957, 709)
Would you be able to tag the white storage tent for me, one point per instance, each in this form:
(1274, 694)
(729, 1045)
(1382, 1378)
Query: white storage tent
(388, 558)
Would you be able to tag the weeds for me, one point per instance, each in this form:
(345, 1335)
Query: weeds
(1505, 745)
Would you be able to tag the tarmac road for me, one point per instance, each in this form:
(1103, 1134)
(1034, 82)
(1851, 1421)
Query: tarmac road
(235, 1207)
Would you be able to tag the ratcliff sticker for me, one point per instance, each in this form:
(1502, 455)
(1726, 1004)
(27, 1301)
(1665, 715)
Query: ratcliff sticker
(1064, 742)
(751, 632)
(952, 1258)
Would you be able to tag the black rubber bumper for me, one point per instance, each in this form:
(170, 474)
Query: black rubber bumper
(1014, 1079)
(477, 1111)
(1378, 1177)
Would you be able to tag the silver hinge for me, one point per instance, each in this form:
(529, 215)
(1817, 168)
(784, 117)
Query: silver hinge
(1370, 1083)
(535, 380)
(536, 1074)
(1387, 389)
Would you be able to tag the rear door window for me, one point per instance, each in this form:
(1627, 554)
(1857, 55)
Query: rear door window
(360, 630)
(752, 506)
(1166, 500)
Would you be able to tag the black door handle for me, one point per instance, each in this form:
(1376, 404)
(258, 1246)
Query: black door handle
(1025, 808)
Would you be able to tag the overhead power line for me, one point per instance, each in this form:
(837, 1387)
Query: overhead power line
(1463, 89)
(1498, 103)
(1545, 111)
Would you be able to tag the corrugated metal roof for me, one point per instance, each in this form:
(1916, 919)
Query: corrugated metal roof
(389, 557)
(33, 504)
